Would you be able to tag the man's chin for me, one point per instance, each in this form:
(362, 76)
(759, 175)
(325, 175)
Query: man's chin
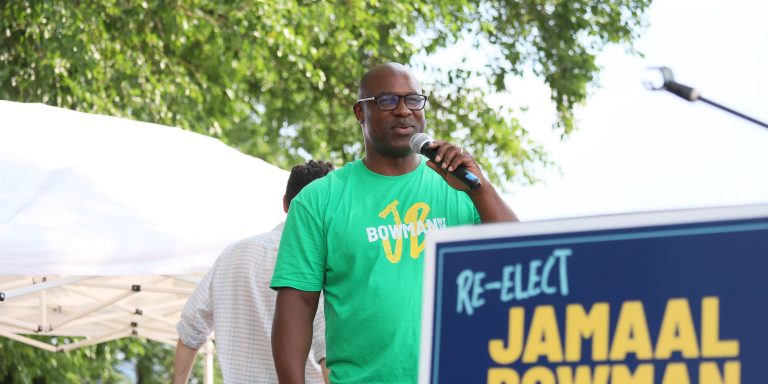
(406, 152)
(400, 152)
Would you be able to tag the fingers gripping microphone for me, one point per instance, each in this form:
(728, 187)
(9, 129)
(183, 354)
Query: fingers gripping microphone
(420, 144)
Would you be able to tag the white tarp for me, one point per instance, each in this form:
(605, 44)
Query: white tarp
(96, 195)
(106, 224)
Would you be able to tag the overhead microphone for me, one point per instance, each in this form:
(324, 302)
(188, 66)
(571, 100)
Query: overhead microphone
(420, 144)
(662, 79)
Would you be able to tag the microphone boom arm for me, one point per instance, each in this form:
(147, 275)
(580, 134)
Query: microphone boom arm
(691, 94)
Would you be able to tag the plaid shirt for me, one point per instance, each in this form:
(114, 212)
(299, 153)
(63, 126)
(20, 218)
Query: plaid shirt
(235, 300)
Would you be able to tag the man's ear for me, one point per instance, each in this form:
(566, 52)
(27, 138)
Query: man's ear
(358, 113)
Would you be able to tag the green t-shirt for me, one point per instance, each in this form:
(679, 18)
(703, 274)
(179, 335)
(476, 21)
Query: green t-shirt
(359, 236)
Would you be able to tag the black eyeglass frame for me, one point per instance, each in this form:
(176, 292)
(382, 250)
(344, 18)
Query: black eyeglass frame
(423, 99)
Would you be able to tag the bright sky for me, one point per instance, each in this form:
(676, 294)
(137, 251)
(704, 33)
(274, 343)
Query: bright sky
(638, 150)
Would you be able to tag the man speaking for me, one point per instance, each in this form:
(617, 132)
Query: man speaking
(358, 236)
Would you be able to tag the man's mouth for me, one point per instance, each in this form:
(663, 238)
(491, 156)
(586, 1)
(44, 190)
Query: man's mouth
(403, 129)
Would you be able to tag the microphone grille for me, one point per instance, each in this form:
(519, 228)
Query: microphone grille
(418, 140)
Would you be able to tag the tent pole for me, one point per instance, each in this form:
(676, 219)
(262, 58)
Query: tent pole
(143, 287)
(119, 334)
(102, 320)
(43, 309)
(20, 281)
(163, 339)
(21, 324)
(90, 310)
(145, 311)
(29, 341)
(42, 286)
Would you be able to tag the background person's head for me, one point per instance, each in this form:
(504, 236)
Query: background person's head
(387, 127)
(301, 175)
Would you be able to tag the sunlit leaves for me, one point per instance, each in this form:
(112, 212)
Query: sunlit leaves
(278, 79)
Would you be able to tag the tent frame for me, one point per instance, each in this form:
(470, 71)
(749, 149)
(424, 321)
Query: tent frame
(106, 311)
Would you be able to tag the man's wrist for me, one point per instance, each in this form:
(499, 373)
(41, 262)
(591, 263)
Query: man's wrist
(486, 189)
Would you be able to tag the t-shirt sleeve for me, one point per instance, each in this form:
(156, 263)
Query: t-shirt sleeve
(472, 210)
(476, 215)
(302, 254)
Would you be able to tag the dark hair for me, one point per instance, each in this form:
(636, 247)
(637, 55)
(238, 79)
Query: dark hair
(303, 174)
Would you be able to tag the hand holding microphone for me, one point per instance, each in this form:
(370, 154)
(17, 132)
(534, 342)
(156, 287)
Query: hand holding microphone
(422, 143)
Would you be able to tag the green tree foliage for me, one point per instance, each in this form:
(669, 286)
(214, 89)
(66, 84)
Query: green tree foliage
(119, 361)
(21, 364)
(277, 79)
(558, 41)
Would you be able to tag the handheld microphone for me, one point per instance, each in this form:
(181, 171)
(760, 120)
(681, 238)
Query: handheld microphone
(420, 144)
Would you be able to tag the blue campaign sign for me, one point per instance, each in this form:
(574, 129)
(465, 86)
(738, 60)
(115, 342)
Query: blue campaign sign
(667, 297)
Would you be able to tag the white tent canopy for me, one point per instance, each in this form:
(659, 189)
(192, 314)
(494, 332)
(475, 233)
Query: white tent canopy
(106, 224)
(97, 195)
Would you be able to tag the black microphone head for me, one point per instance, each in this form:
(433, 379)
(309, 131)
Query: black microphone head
(418, 140)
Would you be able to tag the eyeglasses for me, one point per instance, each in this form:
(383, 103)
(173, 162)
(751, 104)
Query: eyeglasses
(414, 101)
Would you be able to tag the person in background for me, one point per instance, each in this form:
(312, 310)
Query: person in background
(235, 301)
(357, 235)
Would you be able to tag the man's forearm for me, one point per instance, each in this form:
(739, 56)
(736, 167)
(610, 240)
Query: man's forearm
(183, 361)
(292, 333)
(491, 207)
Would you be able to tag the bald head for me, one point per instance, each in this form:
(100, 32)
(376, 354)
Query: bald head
(383, 69)
(387, 131)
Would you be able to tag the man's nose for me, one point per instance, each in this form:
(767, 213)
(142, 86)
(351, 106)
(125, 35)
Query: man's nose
(402, 109)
